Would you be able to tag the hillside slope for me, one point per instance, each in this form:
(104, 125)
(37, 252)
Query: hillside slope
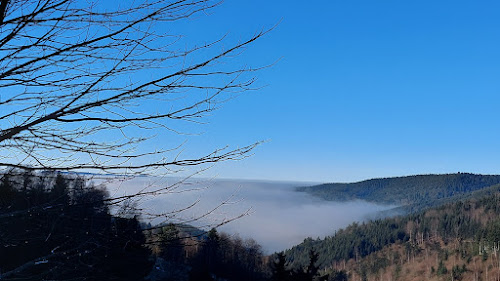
(456, 241)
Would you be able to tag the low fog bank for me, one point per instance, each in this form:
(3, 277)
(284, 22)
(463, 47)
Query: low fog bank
(278, 217)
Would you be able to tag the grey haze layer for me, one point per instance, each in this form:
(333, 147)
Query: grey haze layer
(277, 217)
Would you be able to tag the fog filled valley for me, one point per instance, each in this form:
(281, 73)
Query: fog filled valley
(211, 229)
(275, 214)
(165, 228)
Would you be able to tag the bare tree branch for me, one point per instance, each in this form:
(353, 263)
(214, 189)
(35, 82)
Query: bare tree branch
(74, 73)
(90, 87)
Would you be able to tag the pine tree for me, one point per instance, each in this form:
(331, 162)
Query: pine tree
(312, 268)
(171, 247)
(279, 271)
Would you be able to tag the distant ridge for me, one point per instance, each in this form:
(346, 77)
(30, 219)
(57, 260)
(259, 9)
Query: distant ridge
(416, 192)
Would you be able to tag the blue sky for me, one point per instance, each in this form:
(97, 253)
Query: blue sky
(363, 89)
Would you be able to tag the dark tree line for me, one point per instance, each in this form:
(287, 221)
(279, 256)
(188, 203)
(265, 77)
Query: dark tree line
(208, 256)
(55, 227)
(282, 271)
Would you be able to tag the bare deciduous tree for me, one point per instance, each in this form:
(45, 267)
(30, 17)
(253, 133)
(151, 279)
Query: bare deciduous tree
(84, 85)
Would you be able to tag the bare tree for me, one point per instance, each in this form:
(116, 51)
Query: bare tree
(85, 86)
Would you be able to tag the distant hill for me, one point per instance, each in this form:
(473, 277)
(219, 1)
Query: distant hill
(456, 241)
(412, 192)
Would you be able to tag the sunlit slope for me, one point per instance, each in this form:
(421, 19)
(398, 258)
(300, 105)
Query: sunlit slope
(456, 241)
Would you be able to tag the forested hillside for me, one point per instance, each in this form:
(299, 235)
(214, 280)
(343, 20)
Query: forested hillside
(414, 193)
(454, 241)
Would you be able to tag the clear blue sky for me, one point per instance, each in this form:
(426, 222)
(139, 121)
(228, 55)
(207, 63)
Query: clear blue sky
(364, 89)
